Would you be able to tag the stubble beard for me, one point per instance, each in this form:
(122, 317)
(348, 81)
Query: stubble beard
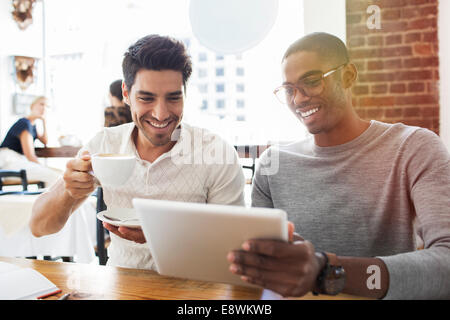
(157, 140)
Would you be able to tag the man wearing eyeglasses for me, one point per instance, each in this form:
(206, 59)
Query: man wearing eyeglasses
(358, 192)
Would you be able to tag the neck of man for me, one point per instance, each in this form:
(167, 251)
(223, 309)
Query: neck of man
(147, 150)
(349, 127)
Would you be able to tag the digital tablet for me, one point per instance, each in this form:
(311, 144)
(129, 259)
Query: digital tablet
(192, 240)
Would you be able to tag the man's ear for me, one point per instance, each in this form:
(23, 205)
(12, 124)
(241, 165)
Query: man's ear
(349, 75)
(125, 93)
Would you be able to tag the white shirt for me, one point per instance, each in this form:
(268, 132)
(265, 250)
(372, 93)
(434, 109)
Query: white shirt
(201, 167)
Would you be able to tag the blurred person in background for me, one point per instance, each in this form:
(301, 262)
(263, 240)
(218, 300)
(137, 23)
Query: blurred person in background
(119, 112)
(17, 149)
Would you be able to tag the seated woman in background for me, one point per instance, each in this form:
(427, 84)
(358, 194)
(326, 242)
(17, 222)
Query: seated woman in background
(118, 113)
(17, 149)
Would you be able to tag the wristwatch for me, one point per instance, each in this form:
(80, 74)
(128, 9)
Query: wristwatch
(331, 279)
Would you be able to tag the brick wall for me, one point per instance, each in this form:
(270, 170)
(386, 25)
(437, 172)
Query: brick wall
(398, 64)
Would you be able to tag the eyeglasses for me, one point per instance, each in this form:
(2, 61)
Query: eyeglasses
(310, 86)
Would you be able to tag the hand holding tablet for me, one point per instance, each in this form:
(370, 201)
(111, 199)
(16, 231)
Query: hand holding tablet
(192, 240)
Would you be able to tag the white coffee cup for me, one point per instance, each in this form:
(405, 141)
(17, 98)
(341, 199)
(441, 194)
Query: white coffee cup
(112, 169)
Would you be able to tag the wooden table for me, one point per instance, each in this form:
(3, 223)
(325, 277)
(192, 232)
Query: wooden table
(244, 151)
(57, 152)
(93, 282)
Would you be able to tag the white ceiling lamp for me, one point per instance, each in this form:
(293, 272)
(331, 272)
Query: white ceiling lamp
(232, 26)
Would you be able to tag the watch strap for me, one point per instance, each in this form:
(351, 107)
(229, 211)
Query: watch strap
(332, 259)
(315, 291)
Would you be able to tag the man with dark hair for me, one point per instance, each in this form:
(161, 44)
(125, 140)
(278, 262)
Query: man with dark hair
(327, 47)
(357, 191)
(169, 153)
(115, 90)
(156, 53)
(118, 112)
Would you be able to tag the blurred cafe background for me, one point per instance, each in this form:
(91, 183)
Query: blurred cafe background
(71, 51)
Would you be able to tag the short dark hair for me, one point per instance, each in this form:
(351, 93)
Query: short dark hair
(328, 47)
(155, 52)
(115, 89)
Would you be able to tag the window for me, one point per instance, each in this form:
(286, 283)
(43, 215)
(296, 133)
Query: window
(220, 87)
(187, 42)
(203, 88)
(202, 56)
(202, 73)
(220, 104)
(245, 88)
(220, 72)
(240, 118)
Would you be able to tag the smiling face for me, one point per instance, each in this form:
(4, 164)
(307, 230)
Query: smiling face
(323, 113)
(156, 102)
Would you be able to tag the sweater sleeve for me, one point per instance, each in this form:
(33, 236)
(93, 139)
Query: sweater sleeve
(425, 274)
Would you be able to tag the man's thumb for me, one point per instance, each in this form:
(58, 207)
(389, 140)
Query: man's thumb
(291, 229)
(85, 155)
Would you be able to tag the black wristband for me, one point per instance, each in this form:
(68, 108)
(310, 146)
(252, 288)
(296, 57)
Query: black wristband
(317, 287)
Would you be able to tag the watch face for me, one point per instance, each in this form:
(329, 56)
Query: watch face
(334, 280)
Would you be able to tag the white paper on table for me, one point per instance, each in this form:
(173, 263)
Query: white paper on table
(23, 283)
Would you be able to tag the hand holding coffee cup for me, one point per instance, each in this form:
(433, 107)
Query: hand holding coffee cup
(78, 182)
(113, 169)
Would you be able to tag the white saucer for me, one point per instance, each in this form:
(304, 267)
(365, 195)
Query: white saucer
(120, 213)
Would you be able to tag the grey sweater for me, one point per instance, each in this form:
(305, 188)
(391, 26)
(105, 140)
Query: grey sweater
(369, 197)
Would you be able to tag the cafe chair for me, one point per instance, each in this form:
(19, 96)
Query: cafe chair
(251, 152)
(101, 247)
(20, 179)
